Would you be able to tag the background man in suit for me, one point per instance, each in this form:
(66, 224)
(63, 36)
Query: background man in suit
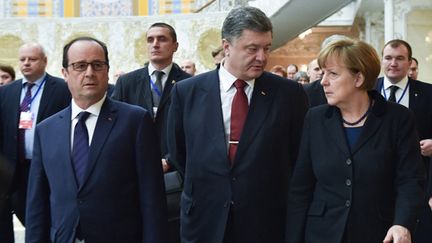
(413, 70)
(188, 66)
(234, 132)
(140, 87)
(417, 96)
(103, 182)
(23, 104)
(150, 88)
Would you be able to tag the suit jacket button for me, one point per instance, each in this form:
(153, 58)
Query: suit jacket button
(348, 182)
(348, 162)
(348, 203)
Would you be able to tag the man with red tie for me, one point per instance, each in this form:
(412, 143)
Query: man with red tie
(234, 133)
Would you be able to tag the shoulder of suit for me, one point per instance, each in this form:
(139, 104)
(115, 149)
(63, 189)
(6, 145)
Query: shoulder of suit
(123, 106)
(133, 75)
(53, 119)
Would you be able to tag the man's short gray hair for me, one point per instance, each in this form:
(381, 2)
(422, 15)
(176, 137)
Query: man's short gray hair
(245, 18)
(331, 39)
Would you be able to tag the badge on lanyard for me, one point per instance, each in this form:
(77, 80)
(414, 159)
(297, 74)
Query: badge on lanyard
(26, 120)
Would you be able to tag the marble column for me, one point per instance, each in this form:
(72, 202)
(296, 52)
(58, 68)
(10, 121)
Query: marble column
(388, 20)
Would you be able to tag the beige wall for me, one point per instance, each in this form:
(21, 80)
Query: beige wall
(419, 35)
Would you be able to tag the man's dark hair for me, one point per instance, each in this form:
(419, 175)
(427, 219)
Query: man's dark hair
(398, 42)
(415, 60)
(65, 62)
(245, 18)
(172, 31)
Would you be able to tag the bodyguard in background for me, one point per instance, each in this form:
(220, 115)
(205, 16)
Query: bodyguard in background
(96, 174)
(359, 175)
(23, 104)
(150, 88)
(234, 132)
(397, 87)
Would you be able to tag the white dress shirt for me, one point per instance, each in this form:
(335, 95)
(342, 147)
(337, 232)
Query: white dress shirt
(227, 92)
(403, 84)
(94, 111)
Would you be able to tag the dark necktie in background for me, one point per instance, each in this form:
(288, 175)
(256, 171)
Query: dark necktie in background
(239, 110)
(157, 94)
(80, 147)
(393, 90)
(24, 107)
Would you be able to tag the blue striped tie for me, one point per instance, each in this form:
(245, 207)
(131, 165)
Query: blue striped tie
(24, 106)
(80, 147)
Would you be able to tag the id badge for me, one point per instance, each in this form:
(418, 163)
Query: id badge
(26, 120)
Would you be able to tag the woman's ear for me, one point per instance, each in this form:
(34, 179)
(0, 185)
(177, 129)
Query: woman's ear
(359, 80)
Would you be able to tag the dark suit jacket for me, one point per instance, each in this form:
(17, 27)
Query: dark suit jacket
(315, 93)
(122, 198)
(362, 192)
(6, 175)
(253, 192)
(55, 97)
(134, 88)
(420, 102)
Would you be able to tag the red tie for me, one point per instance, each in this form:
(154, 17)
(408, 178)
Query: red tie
(239, 110)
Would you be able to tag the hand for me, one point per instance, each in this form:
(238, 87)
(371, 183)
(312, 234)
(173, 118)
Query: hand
(430, 203)
(165, 165)
(398, 234)
(426, 147)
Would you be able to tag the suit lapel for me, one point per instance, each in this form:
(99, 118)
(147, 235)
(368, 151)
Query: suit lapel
(172, 78)
(63, 135)
(104, 124)
(47, 91)
(263, 94)
(415, 95)
(335, 130)
(144, 90)
(15, 102)
(213, 113)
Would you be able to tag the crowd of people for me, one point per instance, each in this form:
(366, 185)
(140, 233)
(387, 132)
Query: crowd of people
(334, 154)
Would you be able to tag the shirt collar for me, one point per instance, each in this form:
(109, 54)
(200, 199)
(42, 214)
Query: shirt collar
(37, 83)
(166, 70)
(93, 109)
(227, 79)
(401, 84)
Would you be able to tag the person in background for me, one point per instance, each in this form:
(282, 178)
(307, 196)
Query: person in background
(292, 69)
(278, 70)
(355, 180)
(314, 71)
(231, 136)
(150, 87)
(301, 77)
(188, 66)
(218, 55)
(23, 104)
(397, 87)
(7, 74)
(103, 182)
(413, 70)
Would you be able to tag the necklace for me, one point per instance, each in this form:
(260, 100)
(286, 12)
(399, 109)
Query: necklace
(361, 118)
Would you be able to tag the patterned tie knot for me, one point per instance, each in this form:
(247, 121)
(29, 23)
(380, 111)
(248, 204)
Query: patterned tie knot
(29, 85)
(82, 116)
(158, 74)
(239, 84)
